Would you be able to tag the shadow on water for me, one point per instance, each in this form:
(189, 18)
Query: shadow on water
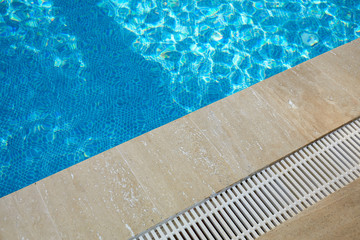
(60, 105)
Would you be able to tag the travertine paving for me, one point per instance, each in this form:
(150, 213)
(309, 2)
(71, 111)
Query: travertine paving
(133, 186)
(335, 217)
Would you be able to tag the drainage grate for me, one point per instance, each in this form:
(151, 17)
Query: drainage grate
(262, 201)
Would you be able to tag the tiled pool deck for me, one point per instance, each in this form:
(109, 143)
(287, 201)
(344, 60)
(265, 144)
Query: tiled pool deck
(335, 217)
(135, 185)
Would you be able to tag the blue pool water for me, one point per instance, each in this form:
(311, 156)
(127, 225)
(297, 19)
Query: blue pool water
(78, 77)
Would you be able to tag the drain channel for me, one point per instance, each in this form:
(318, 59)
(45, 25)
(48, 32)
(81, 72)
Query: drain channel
(257, 204)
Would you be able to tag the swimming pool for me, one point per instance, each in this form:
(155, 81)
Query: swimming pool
(80, 77)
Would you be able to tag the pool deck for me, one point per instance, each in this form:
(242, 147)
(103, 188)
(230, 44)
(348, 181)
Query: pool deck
(335, 217)
(135, 185)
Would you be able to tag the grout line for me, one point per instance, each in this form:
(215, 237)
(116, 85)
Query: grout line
(336, 82)
(211, 143)
(292, 177)
(140, 184)
(47, 210)
(288, 120)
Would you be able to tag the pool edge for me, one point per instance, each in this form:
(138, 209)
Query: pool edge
(298, 112)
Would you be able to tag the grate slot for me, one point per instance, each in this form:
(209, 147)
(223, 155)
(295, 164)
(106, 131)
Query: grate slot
(257, 204)
(249, 204)
(296, 194)
(227, 215)
(221, 219)
(323, 172)
(286, 194)
(240, 217)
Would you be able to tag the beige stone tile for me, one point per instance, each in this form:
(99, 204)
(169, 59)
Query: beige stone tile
(68, 206)
(12, 224)
(248, 133)
(342, 65)
(177, 165)
(99, 198)
(335, 217)
(309, 99)
(25, 216)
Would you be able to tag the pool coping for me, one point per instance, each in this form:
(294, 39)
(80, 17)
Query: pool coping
(131, 187)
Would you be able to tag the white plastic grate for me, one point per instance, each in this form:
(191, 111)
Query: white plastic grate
(271, 196)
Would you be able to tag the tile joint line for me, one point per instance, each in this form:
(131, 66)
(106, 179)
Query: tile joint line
(258, 203)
